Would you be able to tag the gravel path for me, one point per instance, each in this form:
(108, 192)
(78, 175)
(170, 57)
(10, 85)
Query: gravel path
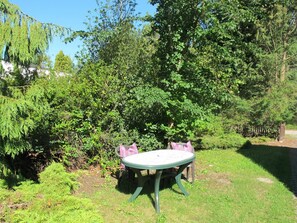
(291, 133)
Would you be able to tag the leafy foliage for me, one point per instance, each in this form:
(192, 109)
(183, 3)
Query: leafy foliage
(278, 105)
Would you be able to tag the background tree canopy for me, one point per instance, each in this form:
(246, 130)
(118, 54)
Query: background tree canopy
(195, 69)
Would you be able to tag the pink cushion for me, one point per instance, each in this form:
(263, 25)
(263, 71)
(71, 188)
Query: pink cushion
(127, 151)
(182, 146)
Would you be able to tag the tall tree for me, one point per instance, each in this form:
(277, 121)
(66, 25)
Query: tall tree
(103, 23)
(178, 24)
(112, 38)
(112, 41)
(175, 22)
(277, 35)
(227, 51)
(208, 53)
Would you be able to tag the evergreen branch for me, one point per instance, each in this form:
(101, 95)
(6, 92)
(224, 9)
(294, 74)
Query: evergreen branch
(14, 10)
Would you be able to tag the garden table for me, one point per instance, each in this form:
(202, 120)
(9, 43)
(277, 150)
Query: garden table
(158, 160)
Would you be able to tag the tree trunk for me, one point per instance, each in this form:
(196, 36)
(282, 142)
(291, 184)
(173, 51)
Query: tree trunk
(276, 68)
(284, 66)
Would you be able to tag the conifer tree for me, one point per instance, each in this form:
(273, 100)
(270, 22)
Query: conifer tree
(22, 106)
(23, 37)
(63, 63)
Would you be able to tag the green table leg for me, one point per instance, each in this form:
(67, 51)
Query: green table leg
(157, 188)
(178, 179)
(141, 180)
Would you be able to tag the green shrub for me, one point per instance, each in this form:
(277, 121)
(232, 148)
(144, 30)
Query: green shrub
(261, 139)
(49, 201)
(69, 209)
(227, 141)
(55, 180)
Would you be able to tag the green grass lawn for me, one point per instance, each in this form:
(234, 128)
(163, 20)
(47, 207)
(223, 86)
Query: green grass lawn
(248, 185)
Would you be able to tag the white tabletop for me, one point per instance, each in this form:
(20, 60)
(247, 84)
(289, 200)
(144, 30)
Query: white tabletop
(158, 159)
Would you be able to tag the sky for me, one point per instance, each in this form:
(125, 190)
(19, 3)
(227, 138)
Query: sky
(67, 13)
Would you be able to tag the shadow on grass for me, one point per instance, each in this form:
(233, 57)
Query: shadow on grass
(127, 184)
(276, 160)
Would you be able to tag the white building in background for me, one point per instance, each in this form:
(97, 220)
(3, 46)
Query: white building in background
(8, 68)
